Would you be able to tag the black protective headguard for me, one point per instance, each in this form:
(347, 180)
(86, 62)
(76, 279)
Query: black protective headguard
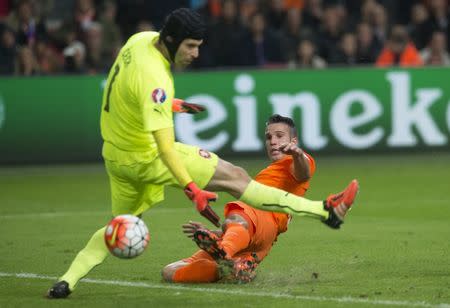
(179, 25)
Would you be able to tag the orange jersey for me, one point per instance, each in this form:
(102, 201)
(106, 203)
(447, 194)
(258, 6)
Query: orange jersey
(279, 175)
(267, 225)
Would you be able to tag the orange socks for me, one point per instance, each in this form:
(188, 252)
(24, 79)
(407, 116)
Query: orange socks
(202, 270)
(235, 239)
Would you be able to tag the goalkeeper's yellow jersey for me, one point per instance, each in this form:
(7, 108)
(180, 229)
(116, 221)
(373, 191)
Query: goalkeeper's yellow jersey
(137, 100)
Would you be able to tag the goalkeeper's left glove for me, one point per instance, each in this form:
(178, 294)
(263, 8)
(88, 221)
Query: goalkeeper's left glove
(179, 105)
(201, 199)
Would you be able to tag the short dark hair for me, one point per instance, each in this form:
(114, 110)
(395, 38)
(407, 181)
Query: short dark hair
(276, 118)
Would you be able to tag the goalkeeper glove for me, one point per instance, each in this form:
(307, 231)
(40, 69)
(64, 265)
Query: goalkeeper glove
(201, 199)
(179, 105)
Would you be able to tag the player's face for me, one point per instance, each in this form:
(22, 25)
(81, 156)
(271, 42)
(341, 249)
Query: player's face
(276, 135)
(187, 52)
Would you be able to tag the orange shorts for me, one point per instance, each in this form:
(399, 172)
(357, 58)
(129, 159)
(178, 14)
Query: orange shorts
(264, 226)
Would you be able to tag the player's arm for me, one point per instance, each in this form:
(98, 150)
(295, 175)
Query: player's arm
(165, 140)
(301, 170)
(166, 146)
(300, 166)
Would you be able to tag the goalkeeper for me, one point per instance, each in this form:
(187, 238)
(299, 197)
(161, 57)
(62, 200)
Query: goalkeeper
(249, 234)
(140, 154)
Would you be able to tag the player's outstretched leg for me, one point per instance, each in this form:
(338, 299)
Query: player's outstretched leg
(92, 255)
(339, 204)
(237, 182)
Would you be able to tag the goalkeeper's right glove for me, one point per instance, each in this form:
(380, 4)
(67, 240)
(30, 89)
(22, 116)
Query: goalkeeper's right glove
(201, 199)
(179, 105)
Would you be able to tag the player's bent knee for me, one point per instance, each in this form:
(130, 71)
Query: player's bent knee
(235, 219)
(168, 272)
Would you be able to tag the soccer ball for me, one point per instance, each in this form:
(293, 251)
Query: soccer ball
(126, 236)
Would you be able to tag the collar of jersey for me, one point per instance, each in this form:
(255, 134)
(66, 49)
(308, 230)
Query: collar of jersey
(165, 61)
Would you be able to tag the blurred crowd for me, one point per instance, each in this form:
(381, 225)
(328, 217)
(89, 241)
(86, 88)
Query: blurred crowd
(43, 37)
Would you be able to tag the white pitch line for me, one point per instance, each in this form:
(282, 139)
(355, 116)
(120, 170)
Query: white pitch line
(345, 299)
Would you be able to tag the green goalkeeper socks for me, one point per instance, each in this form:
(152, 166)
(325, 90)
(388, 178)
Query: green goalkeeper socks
(93, 254)
(275, 200)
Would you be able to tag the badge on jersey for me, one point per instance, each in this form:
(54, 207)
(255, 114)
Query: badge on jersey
(159, 96)
(204, 153)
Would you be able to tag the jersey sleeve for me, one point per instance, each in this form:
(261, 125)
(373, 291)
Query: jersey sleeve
(155, 100)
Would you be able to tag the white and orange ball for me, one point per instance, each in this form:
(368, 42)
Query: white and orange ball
(126, 236)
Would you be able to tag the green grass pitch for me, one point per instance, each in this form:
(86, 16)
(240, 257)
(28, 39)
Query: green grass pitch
(393, 250)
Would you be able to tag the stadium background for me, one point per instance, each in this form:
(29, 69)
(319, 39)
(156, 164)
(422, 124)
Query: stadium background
(325, 63)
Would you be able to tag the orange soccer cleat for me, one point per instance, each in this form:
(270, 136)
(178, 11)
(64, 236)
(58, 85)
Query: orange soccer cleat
(231, 270)
(237, 270)
(339, 204)
(209, 242)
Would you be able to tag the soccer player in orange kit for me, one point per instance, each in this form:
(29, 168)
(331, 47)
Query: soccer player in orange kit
(248, 233)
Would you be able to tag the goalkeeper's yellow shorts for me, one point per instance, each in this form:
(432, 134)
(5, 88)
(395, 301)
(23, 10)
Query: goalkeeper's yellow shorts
(137, 187)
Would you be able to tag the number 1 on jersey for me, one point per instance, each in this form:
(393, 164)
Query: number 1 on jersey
(113, 78)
